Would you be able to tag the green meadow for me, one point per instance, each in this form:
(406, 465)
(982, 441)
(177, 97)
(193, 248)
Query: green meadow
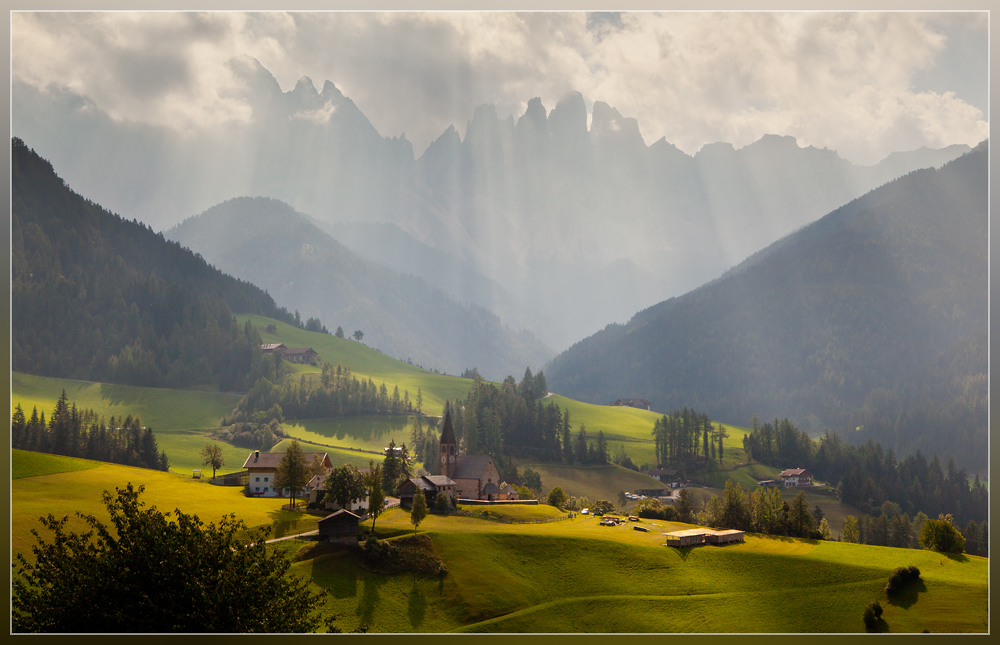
(577, 576)
(569, 575)
(61, 486)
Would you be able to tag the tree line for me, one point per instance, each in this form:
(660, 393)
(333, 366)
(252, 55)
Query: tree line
(866, 476)
(80, 433)
(681, 436)
(339, 393)
(512, 420)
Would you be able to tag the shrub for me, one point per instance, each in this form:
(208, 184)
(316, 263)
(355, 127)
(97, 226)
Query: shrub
(872, 616)
(900, 578)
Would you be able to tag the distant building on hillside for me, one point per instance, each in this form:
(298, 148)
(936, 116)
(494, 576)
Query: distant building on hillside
(642, 404)
(796, 477)
(431, 485)
(290, 354)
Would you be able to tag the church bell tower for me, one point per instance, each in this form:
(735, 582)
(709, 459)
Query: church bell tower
(449, 456)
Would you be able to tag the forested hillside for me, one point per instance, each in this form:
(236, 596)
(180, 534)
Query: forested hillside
(97, 297)
(870, 316)
(267, 242)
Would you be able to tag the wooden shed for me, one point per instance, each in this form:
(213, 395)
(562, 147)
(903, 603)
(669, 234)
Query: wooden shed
(690, 537)
(342, 525)
(724, 537)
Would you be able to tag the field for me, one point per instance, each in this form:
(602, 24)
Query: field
(577, 576)
(570, 575)
(62, 485)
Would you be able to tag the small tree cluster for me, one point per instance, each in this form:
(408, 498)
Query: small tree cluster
(872, 616)
(901, 577)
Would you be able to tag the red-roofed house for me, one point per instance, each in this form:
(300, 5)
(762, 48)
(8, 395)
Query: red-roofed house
(796, 477)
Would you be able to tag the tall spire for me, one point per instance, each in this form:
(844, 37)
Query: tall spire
(448, 433)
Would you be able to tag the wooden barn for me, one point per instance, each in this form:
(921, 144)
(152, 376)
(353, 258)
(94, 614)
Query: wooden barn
(340, 526)
(695, 537)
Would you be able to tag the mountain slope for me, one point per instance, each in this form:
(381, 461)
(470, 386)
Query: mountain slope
(94, 296)
(582, 225)
(270, 244)
(868, 295)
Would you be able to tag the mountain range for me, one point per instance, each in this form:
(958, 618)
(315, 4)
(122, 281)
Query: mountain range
(565, 211)
(873, 317)
(268, 243)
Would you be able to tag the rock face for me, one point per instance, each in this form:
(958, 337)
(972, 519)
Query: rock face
(583, 225)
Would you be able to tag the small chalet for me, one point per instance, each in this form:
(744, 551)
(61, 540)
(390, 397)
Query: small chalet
(796, 477)
(339, 526)
(431, 485)
(642, 404)
(305, 355)
(270, 348)
(261, 468)
(664, 475)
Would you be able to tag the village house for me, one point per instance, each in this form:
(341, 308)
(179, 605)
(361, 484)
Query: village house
(472, 474)
(262, 467)
(431, 485)
(796, 477)
(304, 355)
(642, 404)
(664, 475)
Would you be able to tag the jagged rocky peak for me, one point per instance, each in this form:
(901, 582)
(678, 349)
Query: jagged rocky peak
(568, 118)
(608, 123)
(534, 116)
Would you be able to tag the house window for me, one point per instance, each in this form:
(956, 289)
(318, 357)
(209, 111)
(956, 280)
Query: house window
(265, 489)
(257, 489)
(258, 479)
(265, 479)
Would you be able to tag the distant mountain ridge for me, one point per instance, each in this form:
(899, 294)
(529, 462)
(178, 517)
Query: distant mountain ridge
(268, 243)
(862, 301)
(582, 225)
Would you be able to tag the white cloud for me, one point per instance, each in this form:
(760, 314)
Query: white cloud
(843, 81)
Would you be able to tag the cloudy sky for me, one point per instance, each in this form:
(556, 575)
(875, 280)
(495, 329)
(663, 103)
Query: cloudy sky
(864, 84)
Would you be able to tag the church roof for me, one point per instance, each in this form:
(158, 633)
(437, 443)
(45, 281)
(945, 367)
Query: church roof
(448, 434)
(471, 466)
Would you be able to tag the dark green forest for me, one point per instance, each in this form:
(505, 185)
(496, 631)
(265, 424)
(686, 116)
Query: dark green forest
(80, 433)
(95, 296)
(874, 317)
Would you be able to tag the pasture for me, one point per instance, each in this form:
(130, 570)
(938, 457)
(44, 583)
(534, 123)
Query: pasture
(63, 485)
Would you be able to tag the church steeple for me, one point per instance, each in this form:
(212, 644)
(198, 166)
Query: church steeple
(449, 457)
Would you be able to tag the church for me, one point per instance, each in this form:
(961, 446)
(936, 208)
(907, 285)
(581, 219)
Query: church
(475, 476)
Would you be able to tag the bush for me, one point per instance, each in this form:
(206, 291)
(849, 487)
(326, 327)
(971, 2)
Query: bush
(900, 578)
(942, 536)
(556, 497)
(872, 617)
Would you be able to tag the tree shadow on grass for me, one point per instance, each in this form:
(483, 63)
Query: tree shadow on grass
(878, 627)
(370, 597)
(908, 595)
(417, 605)
(957, 557)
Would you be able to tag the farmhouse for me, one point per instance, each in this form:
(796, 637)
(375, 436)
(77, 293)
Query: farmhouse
(796, 477)
(431, 485)
(642, 404)
(664, 475)
(472, 474)
(299, 355)
(695, 537)
(291, 354)
(339, 526)
(262, 467)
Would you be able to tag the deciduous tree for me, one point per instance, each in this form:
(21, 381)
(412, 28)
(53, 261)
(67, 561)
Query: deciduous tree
(419, 510)
(212, 456)
(150, 572)
(293, 472)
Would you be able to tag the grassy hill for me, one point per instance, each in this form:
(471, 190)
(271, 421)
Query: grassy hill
(577, 576)
(43, 484)
(563, 576)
